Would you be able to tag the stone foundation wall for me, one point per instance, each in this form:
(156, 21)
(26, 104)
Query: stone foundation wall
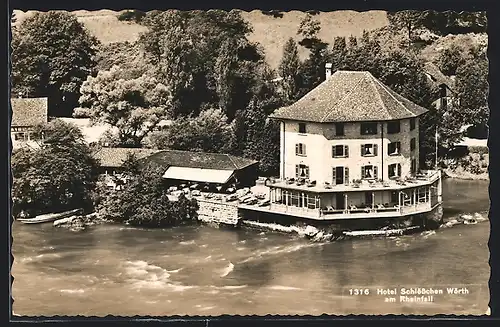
(218, 212)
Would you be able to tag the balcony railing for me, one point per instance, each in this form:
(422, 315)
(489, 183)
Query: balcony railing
(421, 179)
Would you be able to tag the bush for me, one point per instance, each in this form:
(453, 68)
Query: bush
(132, 15)
(479, 149)
(144, 202)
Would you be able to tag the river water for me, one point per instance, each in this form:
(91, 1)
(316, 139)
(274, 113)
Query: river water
(206, 271)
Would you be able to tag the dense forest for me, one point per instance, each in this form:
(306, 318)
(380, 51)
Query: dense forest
(200, 71)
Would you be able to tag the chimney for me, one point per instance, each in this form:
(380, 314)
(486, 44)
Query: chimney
(328, 69)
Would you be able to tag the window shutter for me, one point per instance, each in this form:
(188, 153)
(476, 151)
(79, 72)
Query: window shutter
(399, 169)
(304, 149)
(297, 171)
(333, 151)
(362, 149)
(346, 175)
(307, 171)
(346, 151)
(375, 172)
(363, 172)
(334, 175)
(296, 149)
(375, 149)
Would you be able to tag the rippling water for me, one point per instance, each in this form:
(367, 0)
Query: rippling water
(205, 271)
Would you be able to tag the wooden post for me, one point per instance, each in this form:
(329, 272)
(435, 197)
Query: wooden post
(286, 198)
(415, 198)
(373, 200)
(345, 206)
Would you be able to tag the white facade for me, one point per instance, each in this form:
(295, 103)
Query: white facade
(313, 149)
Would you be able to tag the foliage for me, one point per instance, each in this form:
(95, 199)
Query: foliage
(208, 132)
(452, 22)
(52, 54)
(289, 70)
(312, 69)
(408, 20)
(134, 106)
(132, 15)
(144, 202)
(204, 57)
(58, 176)
(472, 89)
(450, 59)
(127, 55)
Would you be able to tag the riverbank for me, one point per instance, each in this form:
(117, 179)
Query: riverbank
(462, 174)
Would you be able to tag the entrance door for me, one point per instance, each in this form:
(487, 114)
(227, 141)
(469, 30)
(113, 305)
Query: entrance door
(339, 201)
(339, 175)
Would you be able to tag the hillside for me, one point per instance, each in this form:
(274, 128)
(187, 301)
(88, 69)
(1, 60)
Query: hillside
(268, 31)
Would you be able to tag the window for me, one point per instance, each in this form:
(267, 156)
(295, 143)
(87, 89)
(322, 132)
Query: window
(369, 198)
(413, 168)
(369, 172)
(339, 129)
(340, 151)
(442, 91)
(368, 128)
(394, 170)
(19, 136)
(369, 150)
(340, 175)
(412, 124)
(393, 127)
(302, 128)
(301, 171)
(413, 144)
(300, 149)
(394, 197)
(394, 148)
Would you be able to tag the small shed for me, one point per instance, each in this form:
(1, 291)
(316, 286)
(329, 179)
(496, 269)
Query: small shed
(210, 168)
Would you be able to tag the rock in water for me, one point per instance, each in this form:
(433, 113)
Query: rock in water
(64, 221)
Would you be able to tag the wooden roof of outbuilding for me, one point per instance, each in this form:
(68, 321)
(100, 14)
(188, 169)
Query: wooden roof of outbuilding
(114, 157)
(350, 96)
(217, 161)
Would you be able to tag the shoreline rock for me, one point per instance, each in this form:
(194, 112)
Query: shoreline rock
(78, 223)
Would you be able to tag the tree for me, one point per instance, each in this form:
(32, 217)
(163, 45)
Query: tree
(144, 202)
(58, 176)
(313, 68)
(52, 54)
(450, 59)
(204, 57)
(289, 70)
(406, 19)
(134, 106)
(338, 54)
(472, 89)
(208, 132)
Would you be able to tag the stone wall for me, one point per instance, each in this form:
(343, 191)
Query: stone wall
(218, 212)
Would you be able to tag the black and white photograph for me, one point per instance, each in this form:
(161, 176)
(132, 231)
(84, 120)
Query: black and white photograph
(266, 162)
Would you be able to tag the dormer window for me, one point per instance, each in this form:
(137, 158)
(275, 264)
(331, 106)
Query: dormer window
(339, 129)
(412, 124)
(393, 127)
(302, 128)
(368, 128)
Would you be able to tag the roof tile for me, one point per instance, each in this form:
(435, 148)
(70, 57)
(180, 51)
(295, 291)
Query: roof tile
(28, 112)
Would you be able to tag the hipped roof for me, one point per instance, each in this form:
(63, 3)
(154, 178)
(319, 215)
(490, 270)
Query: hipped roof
(350, 96)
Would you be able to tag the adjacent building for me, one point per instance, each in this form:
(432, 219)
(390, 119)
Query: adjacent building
(26, 114)
(350, 149)
(215, 169)
(447, 96)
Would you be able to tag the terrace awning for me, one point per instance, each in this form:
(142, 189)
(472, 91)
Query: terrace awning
(198, 174)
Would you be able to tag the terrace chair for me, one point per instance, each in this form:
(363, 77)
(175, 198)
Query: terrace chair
(330, 208)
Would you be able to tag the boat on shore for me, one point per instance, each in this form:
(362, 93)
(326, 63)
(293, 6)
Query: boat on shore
(49, 217)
